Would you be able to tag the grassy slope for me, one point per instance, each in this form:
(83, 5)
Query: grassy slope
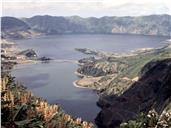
(127, 67)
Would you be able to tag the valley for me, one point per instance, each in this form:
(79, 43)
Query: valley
(73, 72)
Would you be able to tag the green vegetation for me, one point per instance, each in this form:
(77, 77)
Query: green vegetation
(119, 72)
(151, 120)
(130, 84)
(20, 109)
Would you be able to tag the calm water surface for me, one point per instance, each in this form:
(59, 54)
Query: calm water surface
(53, 81)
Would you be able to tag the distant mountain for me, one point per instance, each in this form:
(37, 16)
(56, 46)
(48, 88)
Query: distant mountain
(12, 27)
(146, 25)
(11, 23)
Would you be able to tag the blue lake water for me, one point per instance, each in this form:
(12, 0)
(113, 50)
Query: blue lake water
(54, 81)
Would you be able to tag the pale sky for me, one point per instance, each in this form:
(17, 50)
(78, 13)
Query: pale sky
(85, 8)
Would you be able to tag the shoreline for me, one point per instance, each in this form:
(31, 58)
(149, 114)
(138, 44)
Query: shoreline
(78, 86)
(81, 75)
(53, 109)
(81, 87)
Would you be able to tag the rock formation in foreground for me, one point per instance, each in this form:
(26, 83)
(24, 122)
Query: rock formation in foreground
(151, 91)
(128, 85)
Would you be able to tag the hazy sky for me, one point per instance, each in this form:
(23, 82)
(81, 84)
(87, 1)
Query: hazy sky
(85, 8)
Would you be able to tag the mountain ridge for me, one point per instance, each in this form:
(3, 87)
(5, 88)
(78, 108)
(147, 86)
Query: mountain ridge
(159, 25)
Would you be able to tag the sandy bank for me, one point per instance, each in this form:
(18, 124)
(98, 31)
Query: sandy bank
(75, 83)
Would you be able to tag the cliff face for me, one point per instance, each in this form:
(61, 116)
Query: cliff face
(51, 25)
(128, 84)
(152, 90)
(147, 25)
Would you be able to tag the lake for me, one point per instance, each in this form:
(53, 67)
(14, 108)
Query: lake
(54, 81)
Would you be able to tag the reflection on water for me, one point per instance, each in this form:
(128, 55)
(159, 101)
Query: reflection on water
(53, 81)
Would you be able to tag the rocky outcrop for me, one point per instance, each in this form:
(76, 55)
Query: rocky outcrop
(29, 53)
(44, 59)
(127, 84)
(152, 90)
(99, 68)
